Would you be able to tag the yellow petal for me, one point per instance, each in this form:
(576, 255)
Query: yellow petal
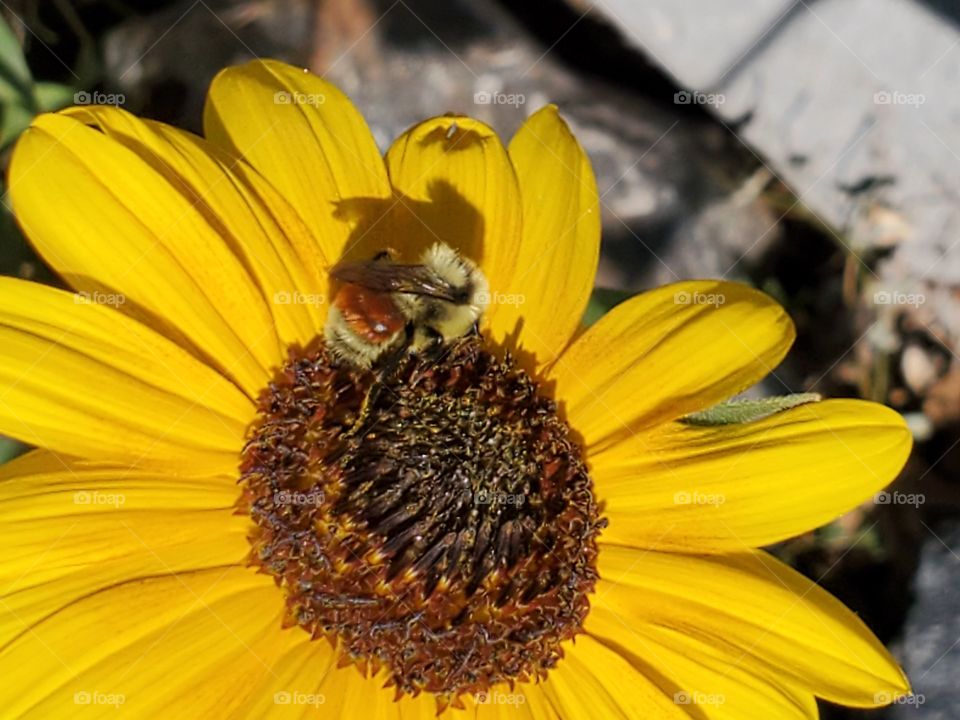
(697, 674)
(293, 686)
(252, 217)
(594, 681)
(457, 185)
(542, 308)
(760, 612)
(84, 380)
(257, 661)
(520, 701)
(111, 223)
(71, 528)
(122, 589)
(666, 353)
(537, 702)
(345, 690)
(732, 487)
(192, 644)
(306, 138)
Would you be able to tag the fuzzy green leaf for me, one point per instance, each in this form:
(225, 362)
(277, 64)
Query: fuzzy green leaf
(744, 411)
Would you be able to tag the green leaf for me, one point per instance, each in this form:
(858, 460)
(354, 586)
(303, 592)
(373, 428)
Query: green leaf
(14, 119)
(9, 449)
(601, 301)
(744, 411)
(13, 65)
(17, 258)
(17, 104)
(53, 96)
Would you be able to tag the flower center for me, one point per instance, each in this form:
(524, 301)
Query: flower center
(439, 522)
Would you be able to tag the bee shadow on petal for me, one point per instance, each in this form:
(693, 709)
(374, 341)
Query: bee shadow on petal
(407, 226)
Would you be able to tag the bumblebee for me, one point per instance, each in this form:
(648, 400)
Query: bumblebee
(386, 310)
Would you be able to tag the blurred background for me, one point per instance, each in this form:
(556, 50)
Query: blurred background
(810, 148)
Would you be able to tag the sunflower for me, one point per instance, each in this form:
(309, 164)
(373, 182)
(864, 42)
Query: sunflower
(223, 519)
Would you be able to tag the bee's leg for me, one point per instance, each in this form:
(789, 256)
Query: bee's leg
(430, 347)
(435, 346)
(387, 366)
(369, 400)
(366, 408)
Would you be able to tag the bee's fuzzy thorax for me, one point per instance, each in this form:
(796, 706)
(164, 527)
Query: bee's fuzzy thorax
(461, 273)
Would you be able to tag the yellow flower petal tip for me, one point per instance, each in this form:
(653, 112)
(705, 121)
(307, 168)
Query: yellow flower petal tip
(733, 487)
(620, 378)
(560, 239)
(460, 188)
(319, 430)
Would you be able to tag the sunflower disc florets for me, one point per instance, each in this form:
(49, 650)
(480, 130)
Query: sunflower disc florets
(447, 532)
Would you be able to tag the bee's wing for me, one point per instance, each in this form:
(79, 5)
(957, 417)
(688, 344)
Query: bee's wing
(391, 277)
